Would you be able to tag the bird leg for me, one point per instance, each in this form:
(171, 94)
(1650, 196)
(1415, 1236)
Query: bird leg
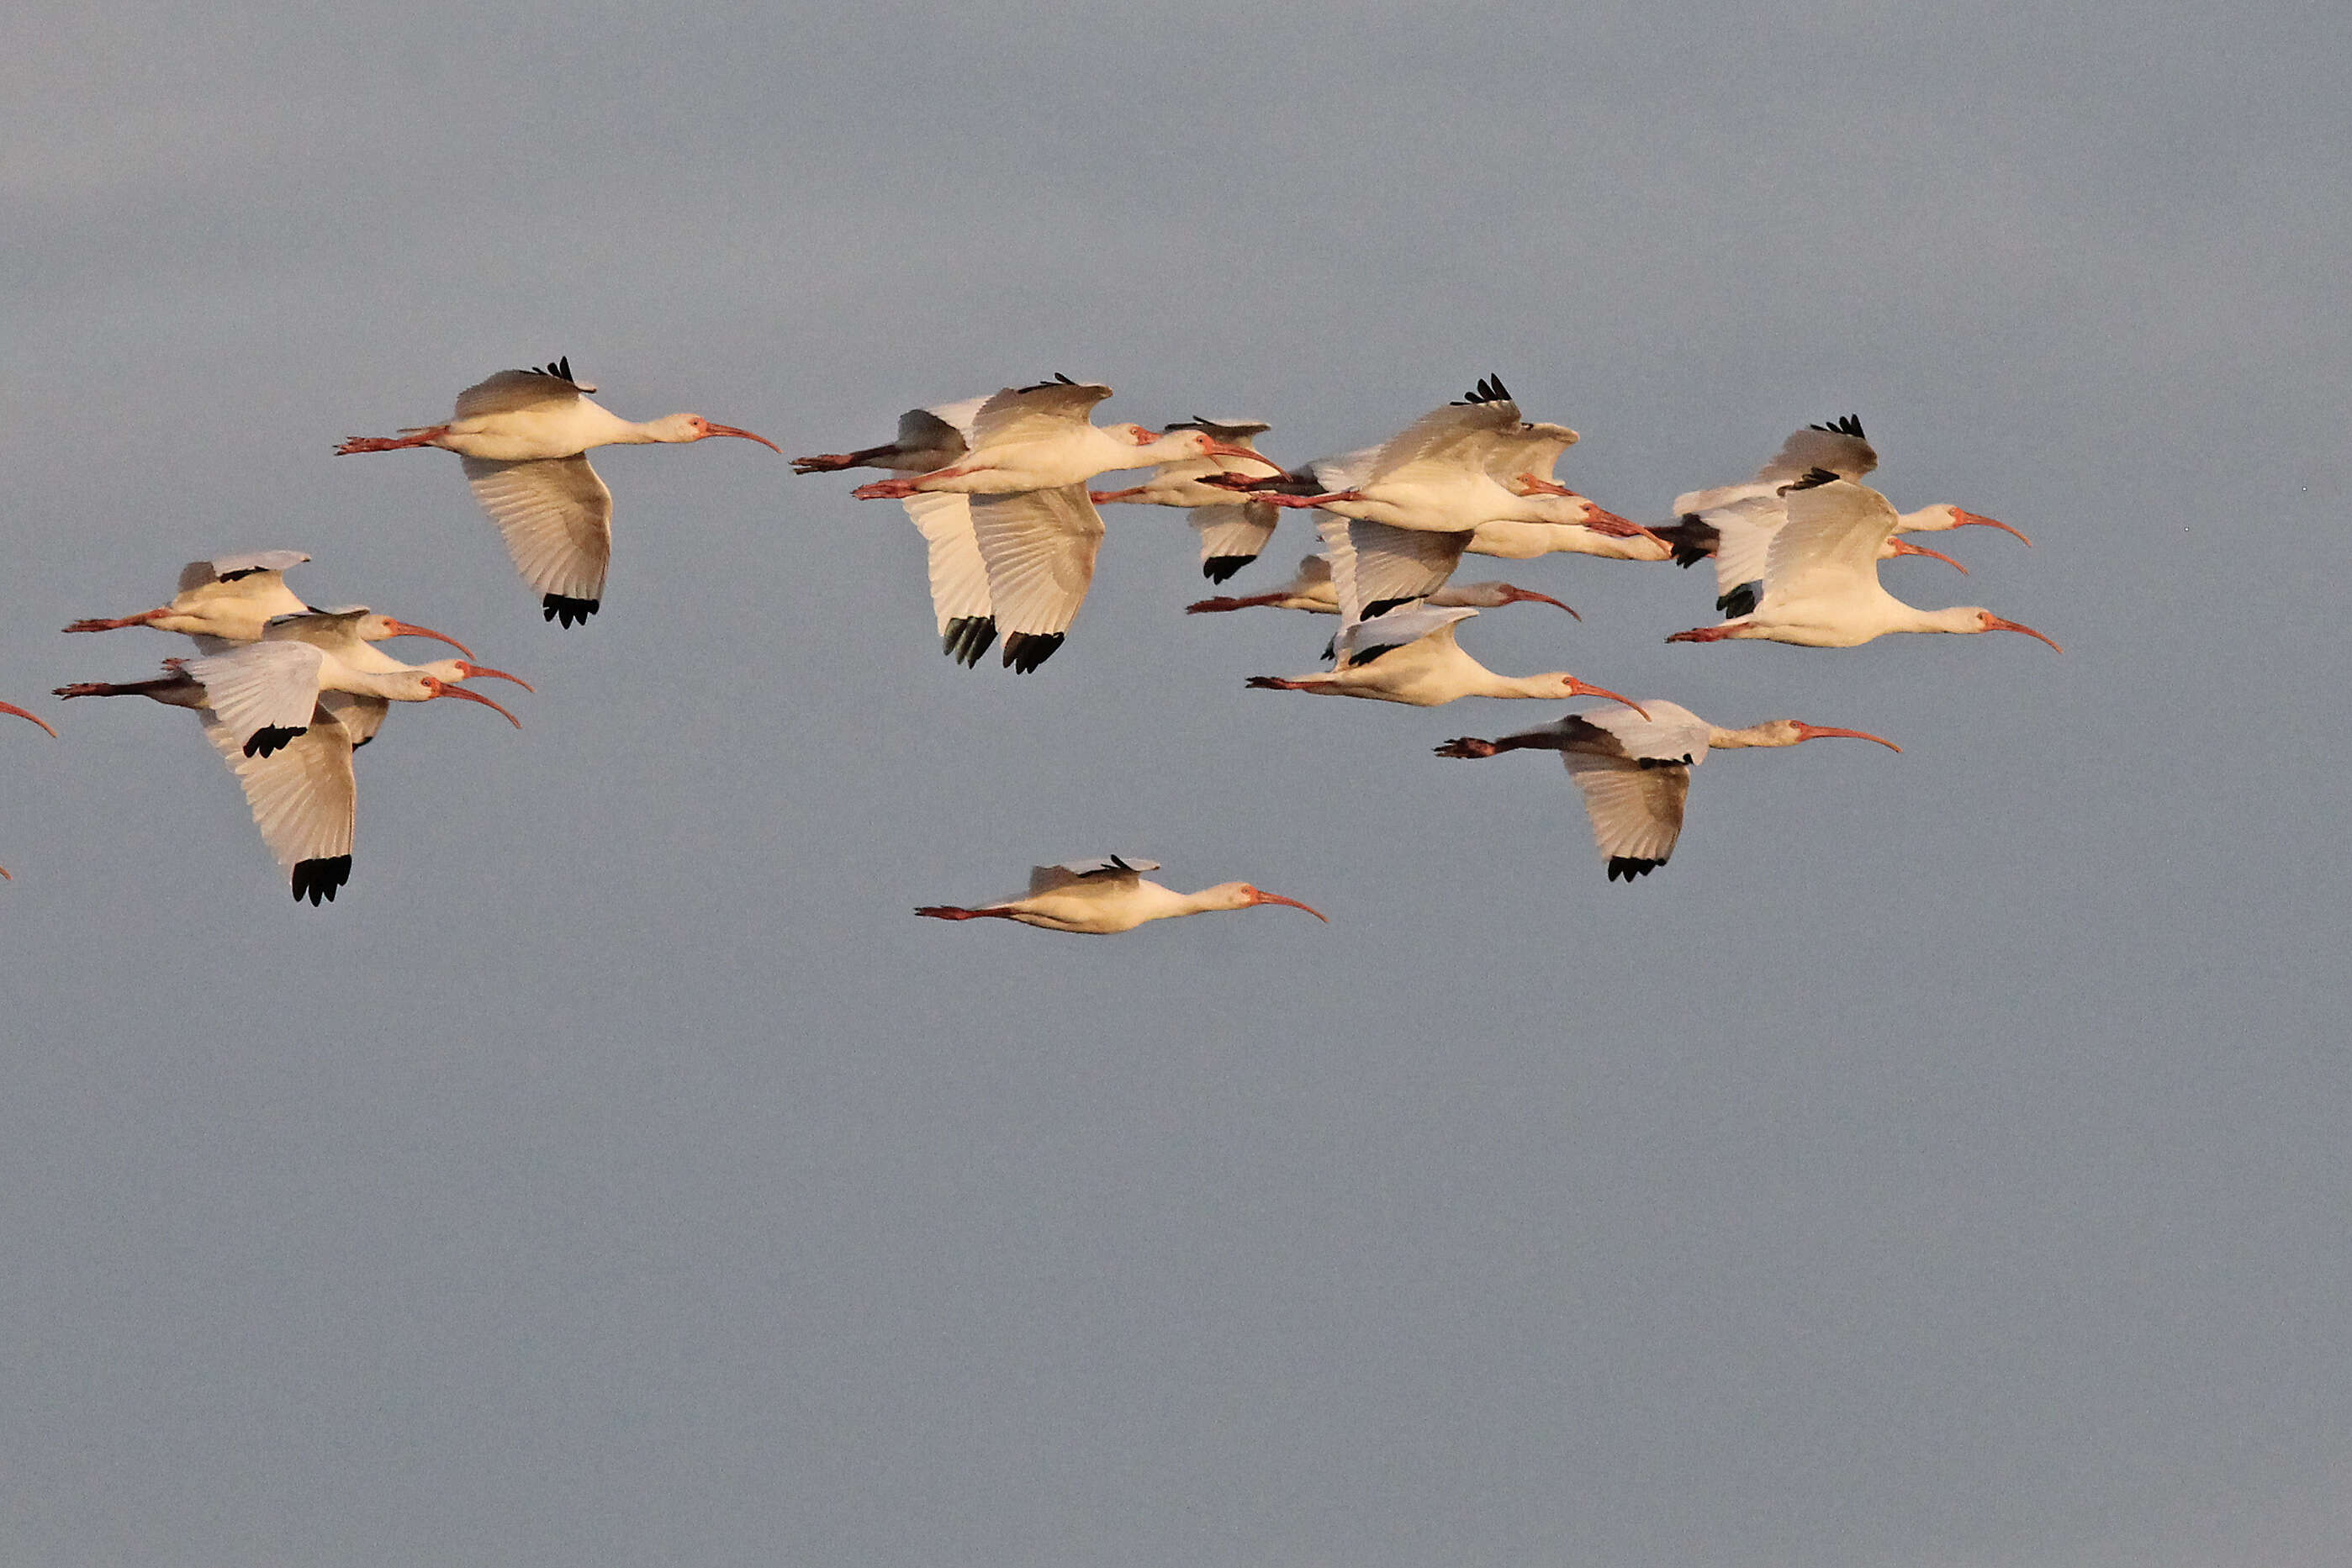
(1274, 500)
(951, 912)
(141, 619)
(832, 462)
(122, 689)
(1280, 684)
(425, 437)
(1210, 606)
(1469, 745)
(1100, 497)
(899, 489)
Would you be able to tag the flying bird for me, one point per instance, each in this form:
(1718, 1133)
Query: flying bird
(1233, 531)
(1821, 577)
(1100, 897)
(1635, 770)
(524, 436)
(235, 599)
(1409, 656)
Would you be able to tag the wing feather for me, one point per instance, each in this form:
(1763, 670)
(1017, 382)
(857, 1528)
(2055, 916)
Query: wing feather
(260, 686)
(510, 391)
(1039, 548)
(1025, 413)
(1444, 437)
(1830, 542)
(303, 796)
(958, 575)
(1234, 533)
(556, 516)
(1636, 811)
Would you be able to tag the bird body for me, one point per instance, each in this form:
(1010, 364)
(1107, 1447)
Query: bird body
(1634, 769)
(1103, 897)
(1409, 656)
(1039, 438)
(230, 597)
(523, 436)
(1821, 577)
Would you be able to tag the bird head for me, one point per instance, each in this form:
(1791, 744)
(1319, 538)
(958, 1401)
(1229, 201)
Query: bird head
(377, 628)
(1241, 895)
(694, 427)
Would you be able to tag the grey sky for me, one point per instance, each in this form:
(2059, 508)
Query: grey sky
(1941, 1162)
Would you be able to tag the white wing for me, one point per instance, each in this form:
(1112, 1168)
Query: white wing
(1457, 435)
(1026, 414)
(361, 715)
(1398, 629)
(1039, 547)
(557, 519)
(260, 689)
(1102, 869)
(235, 568)
(1235, 533)
(1375, 567)
(1344, 470)
(1636, 811)
(1839, 448)
(1830, 545)
(303, 796)
(959, 576)
(510, 391)
(1744, 534)
(1531, 449)
(1671, 734)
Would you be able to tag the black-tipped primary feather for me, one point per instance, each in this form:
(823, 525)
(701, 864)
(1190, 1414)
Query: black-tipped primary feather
(1025, 650)
(262, 742)
(967, 638)
(1813, 480)
(1218, 567)
(318, 879)
(1380, 606)
(571, 611)
(1740, 601)
(1851, 425)
(1489, 388)
(1628, 867)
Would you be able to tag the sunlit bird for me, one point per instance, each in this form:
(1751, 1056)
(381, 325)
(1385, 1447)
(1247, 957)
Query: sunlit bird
(523, 436)
(1409, 656)
(1100, 897)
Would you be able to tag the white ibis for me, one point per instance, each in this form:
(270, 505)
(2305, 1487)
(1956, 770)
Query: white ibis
(1735, 523)
(1232, 531)
(927, 438)
(1408, 655)
(1635, 772)
(1101, 897)
(297, 779)
(523, 436)
(265, 693)
(1821, 578)
(20, 713)
(1039, 438)
(235, 599)
(1031, 450)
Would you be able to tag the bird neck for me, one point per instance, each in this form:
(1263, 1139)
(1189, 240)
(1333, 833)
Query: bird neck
(1959, 618)
(1932, 519)
(1553, 686)
(1769, 733)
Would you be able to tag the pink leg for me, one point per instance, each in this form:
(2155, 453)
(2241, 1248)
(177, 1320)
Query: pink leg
(141, 619)
(1277, 684)
(1311, 500)
(1703, 633)
(391, 442)
(951, 912)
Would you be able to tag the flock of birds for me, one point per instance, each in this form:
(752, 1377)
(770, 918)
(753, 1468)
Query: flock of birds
(998, 486)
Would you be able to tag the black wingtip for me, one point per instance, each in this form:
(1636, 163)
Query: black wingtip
(267, 739)
(1218, 567)
(1025, 650)
(967, 638)
(1378, 607)
(317, 879)
(1850, 425)
(1813, 480)
(1628, 867)
(1490, 389)
(1740, 601)
(571, 611)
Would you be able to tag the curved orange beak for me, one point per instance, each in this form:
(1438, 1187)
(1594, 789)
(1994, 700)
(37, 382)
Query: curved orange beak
(1995, 623)
(444, 689)
(1227, 449)
(1259, 895)
(1967, 517)
(1528, 596)
(1577, 688)
(746, 435)
(1816, 732)
(20, 713)
(1905, 547)
(404, 628)
(474, 671)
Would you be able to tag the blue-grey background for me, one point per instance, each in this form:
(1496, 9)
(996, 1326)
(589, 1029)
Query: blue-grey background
(1942, 1162)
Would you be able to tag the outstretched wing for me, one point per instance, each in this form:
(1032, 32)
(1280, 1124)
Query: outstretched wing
(1375, 568)
(1025, 413)
(1039, 548)
(265, 563)
(1232, 536)
(264, 693)
(1636, 811)
(1102, 869)
(1838, 447)
(1530, 449)
(557, 519)
(1449, 436)
(1365, 640)
(509, 391)
(958, 575)
(303, 796)
(1830, 543)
